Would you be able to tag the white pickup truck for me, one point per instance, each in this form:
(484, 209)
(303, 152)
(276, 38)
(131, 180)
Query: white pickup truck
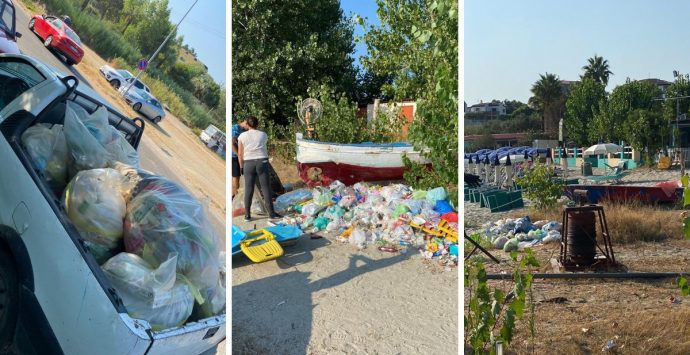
(54, 297)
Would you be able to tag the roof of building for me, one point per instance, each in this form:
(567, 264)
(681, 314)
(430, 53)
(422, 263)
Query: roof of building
(657, 82)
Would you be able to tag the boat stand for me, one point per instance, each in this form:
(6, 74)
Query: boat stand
(477, 246)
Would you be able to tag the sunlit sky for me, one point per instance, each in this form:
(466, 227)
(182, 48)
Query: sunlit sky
(204, 30)
(509, 43)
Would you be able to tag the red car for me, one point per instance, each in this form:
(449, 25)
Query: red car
(58, 36)
(8, 35)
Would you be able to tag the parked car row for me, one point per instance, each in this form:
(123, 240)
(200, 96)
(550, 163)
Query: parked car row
(136, 93)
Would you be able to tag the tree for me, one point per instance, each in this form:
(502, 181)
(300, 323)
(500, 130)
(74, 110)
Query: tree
(625, 98)
(282, 48)
(132, 12)
(646, 129)
(150, 31)
(417, 43)
(370, 86)
(675, 107)
(597, 68)
(549, 99)
(584, 102)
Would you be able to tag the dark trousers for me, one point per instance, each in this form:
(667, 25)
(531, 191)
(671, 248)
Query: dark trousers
(254, 169)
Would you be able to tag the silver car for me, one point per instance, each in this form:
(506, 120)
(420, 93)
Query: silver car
(144, 103)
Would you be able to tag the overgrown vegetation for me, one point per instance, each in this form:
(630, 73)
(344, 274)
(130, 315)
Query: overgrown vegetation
(540, 187)
(123, 31)
(417, 43)
(493, 312)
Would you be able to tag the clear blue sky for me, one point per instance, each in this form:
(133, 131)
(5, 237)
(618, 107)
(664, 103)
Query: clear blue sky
(509, 43)
(363, 8)
(204, 30)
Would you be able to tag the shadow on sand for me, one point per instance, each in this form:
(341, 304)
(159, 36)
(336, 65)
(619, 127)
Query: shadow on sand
(290, 305)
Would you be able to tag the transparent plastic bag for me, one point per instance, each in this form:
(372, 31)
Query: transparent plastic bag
(48, 150)
(96, 123)
(150, 294)
(94, 202)
(284, 201)
(322, 196)
(119, 149)
(85, 150)
(436, 194)
(164, 218)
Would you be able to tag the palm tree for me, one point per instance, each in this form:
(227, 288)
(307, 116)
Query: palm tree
(597, 68)
(548, 98)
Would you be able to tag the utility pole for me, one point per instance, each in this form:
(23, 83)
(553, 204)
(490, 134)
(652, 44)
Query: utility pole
(131, 82)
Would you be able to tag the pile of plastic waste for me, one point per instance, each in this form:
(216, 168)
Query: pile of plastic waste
(516, 234)
(151, 237)
(394, 217)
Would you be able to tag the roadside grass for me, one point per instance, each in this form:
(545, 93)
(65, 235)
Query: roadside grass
(30, 5)
(629, 222)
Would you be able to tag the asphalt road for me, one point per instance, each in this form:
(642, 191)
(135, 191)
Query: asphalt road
(30, 44)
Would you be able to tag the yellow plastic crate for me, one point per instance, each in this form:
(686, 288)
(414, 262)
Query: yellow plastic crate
(261, 245)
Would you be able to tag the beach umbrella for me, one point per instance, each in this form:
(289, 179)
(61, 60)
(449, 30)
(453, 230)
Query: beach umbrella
(603, 148)
(514, 158)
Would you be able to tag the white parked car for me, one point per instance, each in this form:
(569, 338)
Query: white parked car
(56, 298)
(120, 77)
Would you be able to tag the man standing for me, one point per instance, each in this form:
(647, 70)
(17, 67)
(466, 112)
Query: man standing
(237, 129)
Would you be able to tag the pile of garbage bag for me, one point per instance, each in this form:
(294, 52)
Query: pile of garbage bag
(389, 216)
(516, 234)
(151, 237)
(163, 218)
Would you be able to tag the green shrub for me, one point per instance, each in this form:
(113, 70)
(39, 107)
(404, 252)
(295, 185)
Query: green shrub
(540, 187)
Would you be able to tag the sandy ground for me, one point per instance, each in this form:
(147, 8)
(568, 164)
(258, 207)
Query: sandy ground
(582, 316)
(324, 297)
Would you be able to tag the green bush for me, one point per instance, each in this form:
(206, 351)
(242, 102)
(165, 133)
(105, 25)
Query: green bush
(540, 187)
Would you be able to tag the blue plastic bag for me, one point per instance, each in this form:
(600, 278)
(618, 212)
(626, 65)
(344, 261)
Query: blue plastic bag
(442, 207)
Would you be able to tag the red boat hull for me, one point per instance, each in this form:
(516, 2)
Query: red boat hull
(347, 174)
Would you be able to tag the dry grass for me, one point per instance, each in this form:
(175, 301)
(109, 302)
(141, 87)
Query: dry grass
(638, 317)
(630, 222)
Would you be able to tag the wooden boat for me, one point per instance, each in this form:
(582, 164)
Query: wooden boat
(321, 163)
(625, 193)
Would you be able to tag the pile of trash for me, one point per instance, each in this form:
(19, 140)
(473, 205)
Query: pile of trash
(517, 234)
(151, 237)
(395, 217)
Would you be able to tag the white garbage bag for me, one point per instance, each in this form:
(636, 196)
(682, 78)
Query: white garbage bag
(47, 148)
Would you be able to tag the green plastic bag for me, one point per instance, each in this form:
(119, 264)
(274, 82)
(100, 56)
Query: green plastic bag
(686, 196)
(400, 210)
(419, 194)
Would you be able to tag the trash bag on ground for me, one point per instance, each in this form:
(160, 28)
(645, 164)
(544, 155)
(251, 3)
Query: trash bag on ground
(85, 150)
(164, 218)
(284, 201)
(322, 196)
(47, 148)
(154, 295)
(436, 194)
(95, 204)
(419, 194)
